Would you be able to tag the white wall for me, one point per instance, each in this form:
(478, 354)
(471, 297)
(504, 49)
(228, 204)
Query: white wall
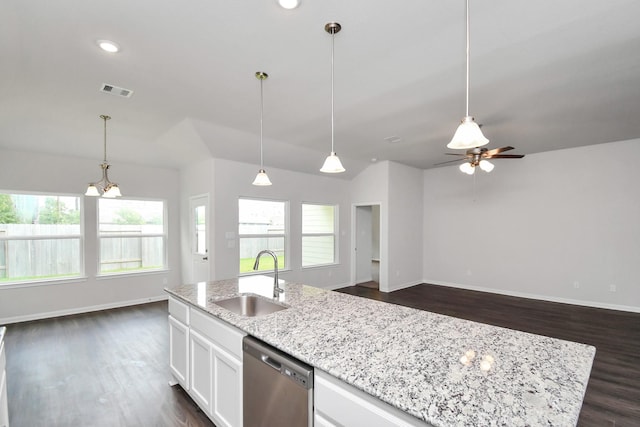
(34, 172)
(536, 226)
(371, 187)
(195, 180)
(398, 190)
(232, 180)
(405, 226)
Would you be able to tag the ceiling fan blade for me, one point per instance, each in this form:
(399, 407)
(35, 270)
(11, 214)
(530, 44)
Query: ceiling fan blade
(449, 161)
(495, 151)
(506, 156)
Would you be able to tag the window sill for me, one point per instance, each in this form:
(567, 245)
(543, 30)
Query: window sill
(259, 272)
(45, 282)
(310, 267)
(104, 276)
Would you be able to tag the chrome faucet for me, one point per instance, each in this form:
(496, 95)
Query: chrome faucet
(276, 287)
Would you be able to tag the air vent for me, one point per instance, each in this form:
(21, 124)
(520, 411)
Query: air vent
(115, 90)
(393, 139)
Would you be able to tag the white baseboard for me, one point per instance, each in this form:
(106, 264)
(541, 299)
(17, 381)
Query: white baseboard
(402, 286)
(595, 304)
(79, 310)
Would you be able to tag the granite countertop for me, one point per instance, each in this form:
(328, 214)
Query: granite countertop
(441, 369)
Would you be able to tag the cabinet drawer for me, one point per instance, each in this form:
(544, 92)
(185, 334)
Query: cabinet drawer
(179, 310)
(220, 333)
(338, 403)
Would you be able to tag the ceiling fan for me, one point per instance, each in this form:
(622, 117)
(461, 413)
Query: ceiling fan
(478, 157)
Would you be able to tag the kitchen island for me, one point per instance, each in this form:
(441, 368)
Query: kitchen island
(441, 370)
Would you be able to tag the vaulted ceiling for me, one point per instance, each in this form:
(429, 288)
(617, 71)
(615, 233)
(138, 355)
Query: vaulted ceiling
(545, 75)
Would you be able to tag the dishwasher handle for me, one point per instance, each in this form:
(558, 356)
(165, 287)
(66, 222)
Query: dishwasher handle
(271, 362)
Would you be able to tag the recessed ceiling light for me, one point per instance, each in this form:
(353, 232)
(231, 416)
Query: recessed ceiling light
(289, 4)
(108, 46)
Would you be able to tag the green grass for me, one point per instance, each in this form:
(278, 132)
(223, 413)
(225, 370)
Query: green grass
(266, 264)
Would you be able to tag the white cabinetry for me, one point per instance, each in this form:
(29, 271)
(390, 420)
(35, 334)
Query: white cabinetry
(179, 342)
(338, 404)
(212, 364)
(227, 389)
(4, 407)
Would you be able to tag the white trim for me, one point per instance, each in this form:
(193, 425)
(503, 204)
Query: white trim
(404, 286)
(80, 310)
(595, 304)
(43, 282)
(103, 276)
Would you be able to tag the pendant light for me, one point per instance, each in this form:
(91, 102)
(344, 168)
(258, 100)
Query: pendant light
(468, 135)
(332, 163)
(261, 178)
(109, 189)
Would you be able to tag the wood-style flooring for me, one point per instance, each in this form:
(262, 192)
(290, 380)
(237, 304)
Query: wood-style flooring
(613, 394)
(110, 368)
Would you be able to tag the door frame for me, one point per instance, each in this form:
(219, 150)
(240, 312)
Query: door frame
(383, 282)
(192, 249)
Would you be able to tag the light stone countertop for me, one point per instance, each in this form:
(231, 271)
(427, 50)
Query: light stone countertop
(411, 359)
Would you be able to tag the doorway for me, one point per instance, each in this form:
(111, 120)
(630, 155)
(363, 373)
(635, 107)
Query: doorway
(367, 246)
(199, 232)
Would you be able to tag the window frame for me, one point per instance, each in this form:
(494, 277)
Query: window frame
(164, 235)
(81, 276)
(286, 235)
(335, 234)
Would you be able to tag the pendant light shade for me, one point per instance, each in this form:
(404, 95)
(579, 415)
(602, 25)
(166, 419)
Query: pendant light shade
(109, 189)
(468, 135)
(332, 164)
(261, 178)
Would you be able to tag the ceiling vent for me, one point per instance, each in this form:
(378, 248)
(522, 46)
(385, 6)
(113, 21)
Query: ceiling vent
(393, 139)
(115, 90)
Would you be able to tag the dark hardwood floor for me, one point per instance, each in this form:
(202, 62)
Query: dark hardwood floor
(613, 394)
(110, 368)
(107, 368)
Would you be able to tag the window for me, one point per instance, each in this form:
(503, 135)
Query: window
(261, 225)
(318, 234)
(132, 235)
(41, 237)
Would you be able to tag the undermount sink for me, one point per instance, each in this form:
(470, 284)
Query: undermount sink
(249, 305)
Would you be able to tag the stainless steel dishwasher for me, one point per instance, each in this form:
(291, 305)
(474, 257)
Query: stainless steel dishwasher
(277, 389)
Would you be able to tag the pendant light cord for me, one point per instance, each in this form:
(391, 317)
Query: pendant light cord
(261, 114)
(105, 118)
(333, 37)
(467, 18)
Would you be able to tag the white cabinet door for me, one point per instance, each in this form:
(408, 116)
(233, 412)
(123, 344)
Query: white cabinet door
(201, 378)
(179, 351)
(227, 389)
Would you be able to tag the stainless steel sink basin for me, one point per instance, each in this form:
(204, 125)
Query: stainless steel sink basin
(250, 305)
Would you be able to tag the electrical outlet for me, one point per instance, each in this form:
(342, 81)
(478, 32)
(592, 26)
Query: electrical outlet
(576, 284)
(612, 288)
(165, 281)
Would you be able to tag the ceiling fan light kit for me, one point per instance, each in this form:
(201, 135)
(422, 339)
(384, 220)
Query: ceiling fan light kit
(468, 135)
